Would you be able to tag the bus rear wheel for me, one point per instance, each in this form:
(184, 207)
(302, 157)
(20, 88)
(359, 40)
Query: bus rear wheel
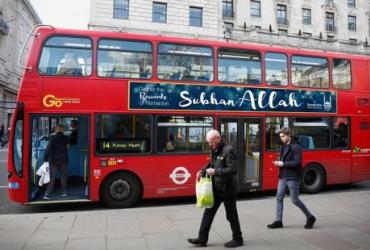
(120, 190)
(313, 179)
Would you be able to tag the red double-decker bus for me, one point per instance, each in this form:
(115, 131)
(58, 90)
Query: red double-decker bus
(136, 110)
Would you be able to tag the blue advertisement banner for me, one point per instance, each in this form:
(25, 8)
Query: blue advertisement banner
(161, 96)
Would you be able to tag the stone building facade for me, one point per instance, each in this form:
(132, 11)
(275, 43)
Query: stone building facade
(17, 17)
(341, 25)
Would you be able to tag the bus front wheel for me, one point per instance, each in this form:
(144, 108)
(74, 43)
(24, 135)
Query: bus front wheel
(313, 179)
(120, 190)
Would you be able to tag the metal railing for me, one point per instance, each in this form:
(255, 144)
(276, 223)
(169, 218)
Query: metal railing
(282, 21)
(331, 28)
(295, 40)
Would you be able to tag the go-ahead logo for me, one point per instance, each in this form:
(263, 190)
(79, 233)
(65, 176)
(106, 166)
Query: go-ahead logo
(50, 101)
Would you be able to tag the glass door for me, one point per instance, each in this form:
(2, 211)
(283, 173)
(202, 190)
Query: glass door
(245, 135)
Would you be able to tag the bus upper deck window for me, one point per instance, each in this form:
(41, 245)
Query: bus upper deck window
(186, 63)
(125, 59)
(276, 69)
(66, 56)
(342, 78)
(239, 66)
(311, 72)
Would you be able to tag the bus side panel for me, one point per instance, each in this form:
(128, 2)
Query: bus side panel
(336, 163)
(360, 148)
(360, 75)
(161, 176)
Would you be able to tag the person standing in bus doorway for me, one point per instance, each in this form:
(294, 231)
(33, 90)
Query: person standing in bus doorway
(73, 137)
(57, 155)
(223, 169)
(289, 163)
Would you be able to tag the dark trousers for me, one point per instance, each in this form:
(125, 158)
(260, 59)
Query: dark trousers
(231, 215)
(53, 172)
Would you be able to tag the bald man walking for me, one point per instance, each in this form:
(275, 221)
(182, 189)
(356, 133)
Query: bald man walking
(223, 169)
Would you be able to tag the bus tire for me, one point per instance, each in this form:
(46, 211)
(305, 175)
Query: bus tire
(120, 190)
(313, 179)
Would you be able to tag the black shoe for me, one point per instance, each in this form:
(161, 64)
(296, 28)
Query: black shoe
(197, 241)
(276, 224)
(310, 222)
(234, 243)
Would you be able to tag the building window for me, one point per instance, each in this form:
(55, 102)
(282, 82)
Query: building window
(121, 9)
(351, 3)
(228, 25)
(282, 17)
(306, 16)
(227, 8)
(159, 12)
(330, 22)
(255, 8)
(196, 16)
(352, 23)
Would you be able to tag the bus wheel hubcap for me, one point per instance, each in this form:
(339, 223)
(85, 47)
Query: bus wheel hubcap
(120, 189)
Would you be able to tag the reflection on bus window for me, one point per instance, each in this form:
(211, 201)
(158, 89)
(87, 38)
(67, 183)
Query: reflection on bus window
(340, 128)
(183, 133)
(66, 56)
(276, 69)
(312, 133)
(342, 74)
(239, 66)
(187, 63)
(124, 59)
(312, 72)
(18, 147)
(121, 133)
(273, 126)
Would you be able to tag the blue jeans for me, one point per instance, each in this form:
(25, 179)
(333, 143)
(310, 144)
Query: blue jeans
(293, 186)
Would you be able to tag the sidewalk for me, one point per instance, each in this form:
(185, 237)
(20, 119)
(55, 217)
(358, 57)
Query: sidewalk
(343, 222)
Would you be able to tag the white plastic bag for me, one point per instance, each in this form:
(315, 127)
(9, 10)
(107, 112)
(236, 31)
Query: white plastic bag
(204, 191)
(44, 173)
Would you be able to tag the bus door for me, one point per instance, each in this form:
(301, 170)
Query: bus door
(245, 134)
(76, 129)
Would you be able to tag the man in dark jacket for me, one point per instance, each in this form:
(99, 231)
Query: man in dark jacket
(290, 164)
(57, 155)
(223, 169)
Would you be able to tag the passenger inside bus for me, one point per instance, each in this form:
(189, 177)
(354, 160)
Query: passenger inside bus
(170, 145)
(340, 136)
(69, 66)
